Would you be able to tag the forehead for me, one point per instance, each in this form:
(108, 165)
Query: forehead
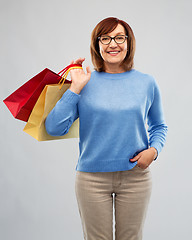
(118, 30)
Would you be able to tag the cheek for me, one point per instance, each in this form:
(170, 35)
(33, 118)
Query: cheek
(124, 51)
(124, 48)
(102, 50)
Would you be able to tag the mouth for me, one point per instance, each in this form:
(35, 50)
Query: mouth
(113, 53)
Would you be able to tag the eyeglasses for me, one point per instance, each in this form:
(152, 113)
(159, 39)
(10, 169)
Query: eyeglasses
(118, 39)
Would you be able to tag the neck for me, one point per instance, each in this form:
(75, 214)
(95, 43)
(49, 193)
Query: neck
(113, 68)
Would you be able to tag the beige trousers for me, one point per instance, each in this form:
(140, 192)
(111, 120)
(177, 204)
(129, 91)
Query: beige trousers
(94, 194)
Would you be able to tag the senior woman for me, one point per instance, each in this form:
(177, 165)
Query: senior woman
(113, 104)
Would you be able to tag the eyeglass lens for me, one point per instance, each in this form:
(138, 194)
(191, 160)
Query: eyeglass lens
(118, 39)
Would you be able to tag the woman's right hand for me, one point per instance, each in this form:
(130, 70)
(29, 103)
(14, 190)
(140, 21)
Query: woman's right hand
(78, 77)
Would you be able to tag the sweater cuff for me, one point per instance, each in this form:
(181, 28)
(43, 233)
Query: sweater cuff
(70, 97)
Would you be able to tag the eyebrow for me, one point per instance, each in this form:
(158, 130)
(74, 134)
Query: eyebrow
(116, 33)
(120, 32)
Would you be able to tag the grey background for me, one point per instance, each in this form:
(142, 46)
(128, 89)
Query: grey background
(37, 197)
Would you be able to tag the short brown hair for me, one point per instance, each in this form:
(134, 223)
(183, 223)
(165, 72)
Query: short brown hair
(107, 25)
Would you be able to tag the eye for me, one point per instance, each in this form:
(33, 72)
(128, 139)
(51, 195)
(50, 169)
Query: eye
(119, 37)
(104, 38)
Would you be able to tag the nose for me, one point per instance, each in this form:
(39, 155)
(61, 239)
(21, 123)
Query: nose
(113, 43)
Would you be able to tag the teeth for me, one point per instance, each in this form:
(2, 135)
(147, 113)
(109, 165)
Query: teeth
(113, 52)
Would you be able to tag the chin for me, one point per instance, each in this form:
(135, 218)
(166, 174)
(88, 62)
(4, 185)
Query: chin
(114, 62)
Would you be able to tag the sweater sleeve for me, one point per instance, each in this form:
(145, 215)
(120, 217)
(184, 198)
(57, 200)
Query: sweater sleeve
(157, 127)
(62, 116)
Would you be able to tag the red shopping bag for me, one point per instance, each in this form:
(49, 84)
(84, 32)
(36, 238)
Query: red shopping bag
(21, 102)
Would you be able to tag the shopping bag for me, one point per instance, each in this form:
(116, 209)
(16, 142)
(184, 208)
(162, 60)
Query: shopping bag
(21, 102)
(45, 103)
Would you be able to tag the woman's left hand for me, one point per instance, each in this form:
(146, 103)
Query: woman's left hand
(145, 158)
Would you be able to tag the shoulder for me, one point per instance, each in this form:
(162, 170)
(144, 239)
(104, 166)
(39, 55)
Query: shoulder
(95, 73)
(145, 76)
(149, 79)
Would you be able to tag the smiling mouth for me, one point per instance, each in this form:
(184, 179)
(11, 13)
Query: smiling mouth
(113, 53)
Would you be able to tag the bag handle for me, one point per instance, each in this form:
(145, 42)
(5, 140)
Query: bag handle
(66, 72)
(69, 66)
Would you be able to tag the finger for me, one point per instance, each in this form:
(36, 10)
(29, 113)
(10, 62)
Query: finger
(88, 70)
(142, 164)
(135, 158)
(139, 165)
(72, 62)
(79, 61)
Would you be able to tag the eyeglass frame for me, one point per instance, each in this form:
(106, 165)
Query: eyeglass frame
(112, 39)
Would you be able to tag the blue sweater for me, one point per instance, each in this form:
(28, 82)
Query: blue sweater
(119, 114)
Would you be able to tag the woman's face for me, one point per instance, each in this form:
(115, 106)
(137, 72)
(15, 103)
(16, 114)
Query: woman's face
(113, 54)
